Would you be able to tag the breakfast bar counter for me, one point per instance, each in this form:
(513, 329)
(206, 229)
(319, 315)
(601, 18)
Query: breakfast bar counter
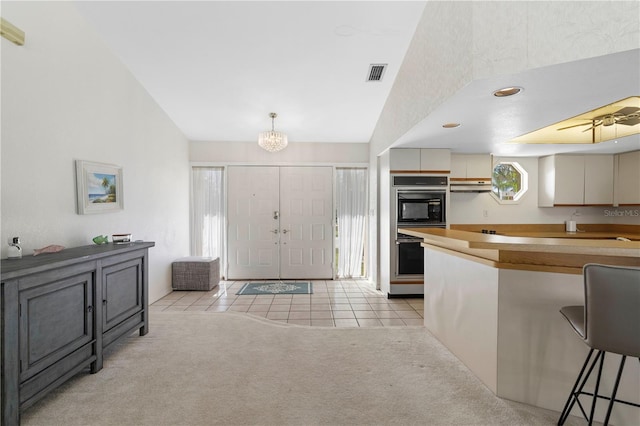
(566, 253)
(494, 301)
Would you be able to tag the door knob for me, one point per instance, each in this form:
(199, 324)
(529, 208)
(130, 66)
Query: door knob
(284, 231)
(276, 214)
(275, 231)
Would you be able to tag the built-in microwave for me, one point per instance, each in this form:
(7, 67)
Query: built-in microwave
(420, 207)
(415, 206)
(420, 200)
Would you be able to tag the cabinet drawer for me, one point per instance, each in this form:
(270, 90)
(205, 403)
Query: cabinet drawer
(56, 319)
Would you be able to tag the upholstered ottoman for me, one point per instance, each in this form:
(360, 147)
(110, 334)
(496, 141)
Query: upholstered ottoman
(195, 273)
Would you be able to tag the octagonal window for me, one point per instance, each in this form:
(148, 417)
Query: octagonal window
(509, 182)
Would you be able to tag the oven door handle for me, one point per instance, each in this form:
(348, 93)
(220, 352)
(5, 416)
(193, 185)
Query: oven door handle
(408, 240)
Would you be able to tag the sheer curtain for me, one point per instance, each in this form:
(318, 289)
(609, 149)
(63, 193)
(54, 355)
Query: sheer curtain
(351, 207)
(207, 212)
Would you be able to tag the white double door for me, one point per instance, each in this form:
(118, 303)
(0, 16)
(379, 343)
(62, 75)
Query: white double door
(280, 222)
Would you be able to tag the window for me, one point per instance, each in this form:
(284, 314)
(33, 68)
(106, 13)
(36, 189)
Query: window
(207, 212)
(351, 221)
(509, 182)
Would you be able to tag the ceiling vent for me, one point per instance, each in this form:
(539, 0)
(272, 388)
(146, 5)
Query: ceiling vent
(376, 71)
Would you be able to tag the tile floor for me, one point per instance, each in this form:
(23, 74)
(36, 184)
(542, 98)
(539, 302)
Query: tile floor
(339, 303)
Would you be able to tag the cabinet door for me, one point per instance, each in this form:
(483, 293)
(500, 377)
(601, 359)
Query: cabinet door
(569, 180)
(598, 180)
(404, 159)
(56, 320)
(479, 167)
(435, 160)
(122, 294)
(628, 178)
(458, 167)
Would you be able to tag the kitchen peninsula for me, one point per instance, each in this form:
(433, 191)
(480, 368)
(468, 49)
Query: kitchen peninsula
(494, 301)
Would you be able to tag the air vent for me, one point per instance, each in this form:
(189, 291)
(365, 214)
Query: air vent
(376, 71)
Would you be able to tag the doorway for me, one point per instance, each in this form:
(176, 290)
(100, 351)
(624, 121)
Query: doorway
(280, 222)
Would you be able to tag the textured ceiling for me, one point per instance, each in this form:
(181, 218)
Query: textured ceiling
(219, 68)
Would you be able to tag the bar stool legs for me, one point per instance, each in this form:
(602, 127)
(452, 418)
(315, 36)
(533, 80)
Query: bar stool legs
(579, 386)
(573, 396)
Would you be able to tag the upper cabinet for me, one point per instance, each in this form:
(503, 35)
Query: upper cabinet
(471, 167)
(628, 178)
(575, 180)
(419, 160)
(404, 159)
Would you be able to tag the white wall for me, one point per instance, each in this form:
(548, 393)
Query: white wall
(294, 153)
(65, 97)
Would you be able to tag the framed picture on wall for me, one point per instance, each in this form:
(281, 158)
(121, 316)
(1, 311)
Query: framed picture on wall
(99, 187)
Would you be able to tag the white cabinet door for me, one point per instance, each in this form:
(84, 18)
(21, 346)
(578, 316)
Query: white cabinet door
(458, 167)
(471, 166)
(628, 182)
(575, 180)
(546, 181)
(404, 159)
(435, 160)
(479, 166)
(598, 180)
(569, 180)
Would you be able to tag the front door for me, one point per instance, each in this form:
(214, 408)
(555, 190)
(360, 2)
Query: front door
(279, 222)
(306, 203)
(252, 240)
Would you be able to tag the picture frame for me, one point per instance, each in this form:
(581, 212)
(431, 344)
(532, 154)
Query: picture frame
(99, 187)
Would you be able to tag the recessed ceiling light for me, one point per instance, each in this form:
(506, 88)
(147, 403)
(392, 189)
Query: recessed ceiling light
(507, 91)
(451, 125)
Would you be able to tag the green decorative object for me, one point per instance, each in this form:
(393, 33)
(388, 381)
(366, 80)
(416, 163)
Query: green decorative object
(101, 239)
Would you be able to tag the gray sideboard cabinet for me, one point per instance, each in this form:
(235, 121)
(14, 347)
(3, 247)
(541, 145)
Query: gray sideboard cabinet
(61, 310)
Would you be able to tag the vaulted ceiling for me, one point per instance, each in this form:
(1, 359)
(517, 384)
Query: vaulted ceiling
(219, 68)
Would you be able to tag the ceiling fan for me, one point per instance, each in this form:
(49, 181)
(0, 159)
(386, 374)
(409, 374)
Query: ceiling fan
(629, 116)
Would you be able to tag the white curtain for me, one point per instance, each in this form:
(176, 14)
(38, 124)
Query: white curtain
(351, 200)
(207, 212)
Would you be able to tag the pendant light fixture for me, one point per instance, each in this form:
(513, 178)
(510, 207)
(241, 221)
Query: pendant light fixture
(272, 140)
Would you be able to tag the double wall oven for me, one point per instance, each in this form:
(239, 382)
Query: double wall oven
(419, 202)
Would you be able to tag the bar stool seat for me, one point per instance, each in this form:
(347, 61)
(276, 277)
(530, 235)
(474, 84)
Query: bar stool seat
(608, 322)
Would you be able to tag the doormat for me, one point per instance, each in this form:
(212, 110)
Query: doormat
(298, 287)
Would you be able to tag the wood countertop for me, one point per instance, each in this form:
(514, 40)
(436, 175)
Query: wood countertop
(552, 251)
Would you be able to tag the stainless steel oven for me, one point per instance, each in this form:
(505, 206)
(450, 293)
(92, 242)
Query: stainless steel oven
(419, 202)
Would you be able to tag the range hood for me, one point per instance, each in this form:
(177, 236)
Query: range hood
(470, 185)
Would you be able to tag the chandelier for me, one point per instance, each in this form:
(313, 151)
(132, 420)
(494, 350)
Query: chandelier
(272, 140)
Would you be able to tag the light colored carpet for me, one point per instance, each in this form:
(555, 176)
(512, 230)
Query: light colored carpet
(234, 369)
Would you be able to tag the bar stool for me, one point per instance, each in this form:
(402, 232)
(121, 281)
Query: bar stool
(609, 322)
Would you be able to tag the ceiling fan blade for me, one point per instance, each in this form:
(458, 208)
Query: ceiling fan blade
(633, 116)
(575, 125)
(592, 127)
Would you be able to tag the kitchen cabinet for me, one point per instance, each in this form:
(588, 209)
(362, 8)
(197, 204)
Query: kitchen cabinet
(575, 180)
(628, 178)
(598, 180)
(419, 160)
(404, 159)
(471, 167)
(61, 310)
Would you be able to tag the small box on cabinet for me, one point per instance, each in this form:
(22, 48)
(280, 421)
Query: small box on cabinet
(195, 273)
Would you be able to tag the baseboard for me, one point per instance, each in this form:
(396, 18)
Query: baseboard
(405, 296)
